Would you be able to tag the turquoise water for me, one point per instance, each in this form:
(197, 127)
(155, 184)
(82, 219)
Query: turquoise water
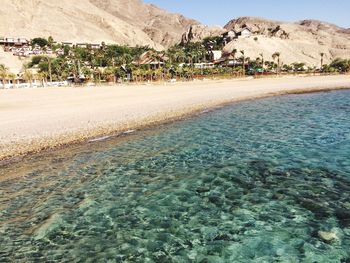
(253, 182)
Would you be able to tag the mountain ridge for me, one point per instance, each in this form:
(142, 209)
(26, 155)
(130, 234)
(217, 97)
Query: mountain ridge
(301, 41)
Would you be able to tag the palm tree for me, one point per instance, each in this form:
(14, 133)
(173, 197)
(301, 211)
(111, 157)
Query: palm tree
(233, 53)
(12, 77)
(171, 53)
(322, 55)
(274, 56)
(126, 59)
(50, 41)
(3, 73)
(109, 73)
(243, 58)
(42, 76)
(190, 56)
(158, 74)
(262, 59)
(181, 56)
(28, 77)
(49, 61)
(138, 74)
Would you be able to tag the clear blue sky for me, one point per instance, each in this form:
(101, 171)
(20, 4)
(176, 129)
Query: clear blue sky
(219, 12)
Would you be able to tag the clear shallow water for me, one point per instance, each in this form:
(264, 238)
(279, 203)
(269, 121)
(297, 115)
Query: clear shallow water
(252, 182)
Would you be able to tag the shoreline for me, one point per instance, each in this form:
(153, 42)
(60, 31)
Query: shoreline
(227, 92)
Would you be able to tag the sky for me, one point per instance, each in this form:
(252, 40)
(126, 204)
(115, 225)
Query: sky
(219, 12)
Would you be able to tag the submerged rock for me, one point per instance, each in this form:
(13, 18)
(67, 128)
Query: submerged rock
(328, 237)
(223, 237)
(215, 198)
(202, 189)
(319, 209)
(343, 216)
(51, 224)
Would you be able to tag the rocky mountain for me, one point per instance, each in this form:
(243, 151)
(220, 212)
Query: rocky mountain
(258, 26)
(301, 41)
(129, 22)
(198, 32)
(162, 27)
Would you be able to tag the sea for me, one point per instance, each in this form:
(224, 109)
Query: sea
(266, 180)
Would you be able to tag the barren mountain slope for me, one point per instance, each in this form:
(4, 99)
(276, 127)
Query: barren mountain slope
(114, 21)
(197, 33)
(161, 26)
(297, 42)
(14, 64)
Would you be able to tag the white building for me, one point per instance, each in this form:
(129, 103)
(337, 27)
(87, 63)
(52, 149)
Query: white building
(68, 44)
(216, 54)
(245, 33)
(82, 45)
(229, 36)
(95, 46)
(203, 65)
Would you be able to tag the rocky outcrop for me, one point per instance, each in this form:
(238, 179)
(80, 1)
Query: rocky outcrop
(258, 26)
(316, 25)
(198, 32)
(345, 30)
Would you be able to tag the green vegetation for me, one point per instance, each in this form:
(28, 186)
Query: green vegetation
(338, 65)
(41, 42)
(112, 63)
(3, 73)
(214, 43)
(298, 67)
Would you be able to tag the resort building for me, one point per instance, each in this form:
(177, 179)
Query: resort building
(95, 46)
(214, 55)
(13, 42)
(245, 33)
(22, 51)
(82, 45)
(217, 54)
(203, 65)
(151, 59)
(227, 60)
(68, 44)
(233, 34)
(229, 36)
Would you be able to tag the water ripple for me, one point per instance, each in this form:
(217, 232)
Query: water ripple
(259, 181)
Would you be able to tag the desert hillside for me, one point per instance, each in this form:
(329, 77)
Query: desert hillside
(297, 42)
(162, 27)
(113, 21)
(14, 64)
(197, 33)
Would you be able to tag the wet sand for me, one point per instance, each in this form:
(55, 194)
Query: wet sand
(32, 120)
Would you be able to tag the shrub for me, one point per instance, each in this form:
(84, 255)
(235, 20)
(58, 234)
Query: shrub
(42, 42)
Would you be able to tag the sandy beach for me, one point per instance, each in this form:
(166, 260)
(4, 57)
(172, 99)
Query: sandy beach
(32, 120)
